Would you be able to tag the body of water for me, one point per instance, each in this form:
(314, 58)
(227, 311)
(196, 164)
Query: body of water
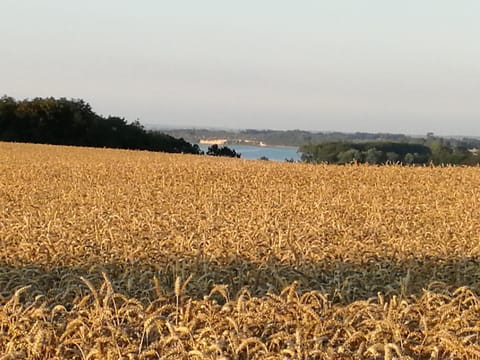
(274, 153)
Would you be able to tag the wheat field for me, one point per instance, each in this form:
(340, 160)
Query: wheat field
(110, 254)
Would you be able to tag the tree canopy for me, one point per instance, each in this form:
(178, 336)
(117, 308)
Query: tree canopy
(434, 151)
(216, 150)
(73, 122)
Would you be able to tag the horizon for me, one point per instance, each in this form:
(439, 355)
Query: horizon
(167, 128)
(405, 68)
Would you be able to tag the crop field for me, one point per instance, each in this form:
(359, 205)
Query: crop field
(109, 254)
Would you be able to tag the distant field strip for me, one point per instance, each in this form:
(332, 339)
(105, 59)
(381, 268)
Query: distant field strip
(111, 254)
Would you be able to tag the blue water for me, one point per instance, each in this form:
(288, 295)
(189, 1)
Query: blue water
(256, 152)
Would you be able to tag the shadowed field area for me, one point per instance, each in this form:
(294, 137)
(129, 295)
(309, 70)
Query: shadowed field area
(122, 254)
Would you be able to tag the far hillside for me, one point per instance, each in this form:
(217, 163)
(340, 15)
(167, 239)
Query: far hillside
(297, 138)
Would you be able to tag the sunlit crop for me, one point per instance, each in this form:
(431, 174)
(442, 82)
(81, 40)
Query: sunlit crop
(109, 254)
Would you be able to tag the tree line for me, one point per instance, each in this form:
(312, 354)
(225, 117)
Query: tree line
(436, 151)
(73, 122)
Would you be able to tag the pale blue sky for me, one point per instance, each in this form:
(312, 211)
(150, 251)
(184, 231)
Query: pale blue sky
(409, 66)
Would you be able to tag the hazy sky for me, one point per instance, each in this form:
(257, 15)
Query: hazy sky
(409, 66)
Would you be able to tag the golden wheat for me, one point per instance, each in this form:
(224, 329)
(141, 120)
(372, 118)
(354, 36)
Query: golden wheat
(110, 254)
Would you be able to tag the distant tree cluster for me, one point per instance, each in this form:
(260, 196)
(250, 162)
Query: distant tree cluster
(73, 122)
(216, 150)
(434, 151)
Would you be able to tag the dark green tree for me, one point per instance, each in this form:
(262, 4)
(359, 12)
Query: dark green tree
(373, 156)
(216, 150)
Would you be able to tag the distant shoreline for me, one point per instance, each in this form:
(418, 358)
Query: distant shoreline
(226, 142)
(212, 141)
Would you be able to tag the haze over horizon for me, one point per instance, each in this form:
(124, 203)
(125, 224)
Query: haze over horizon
(407, 67)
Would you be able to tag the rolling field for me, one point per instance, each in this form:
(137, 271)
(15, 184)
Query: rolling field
(110, 254)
